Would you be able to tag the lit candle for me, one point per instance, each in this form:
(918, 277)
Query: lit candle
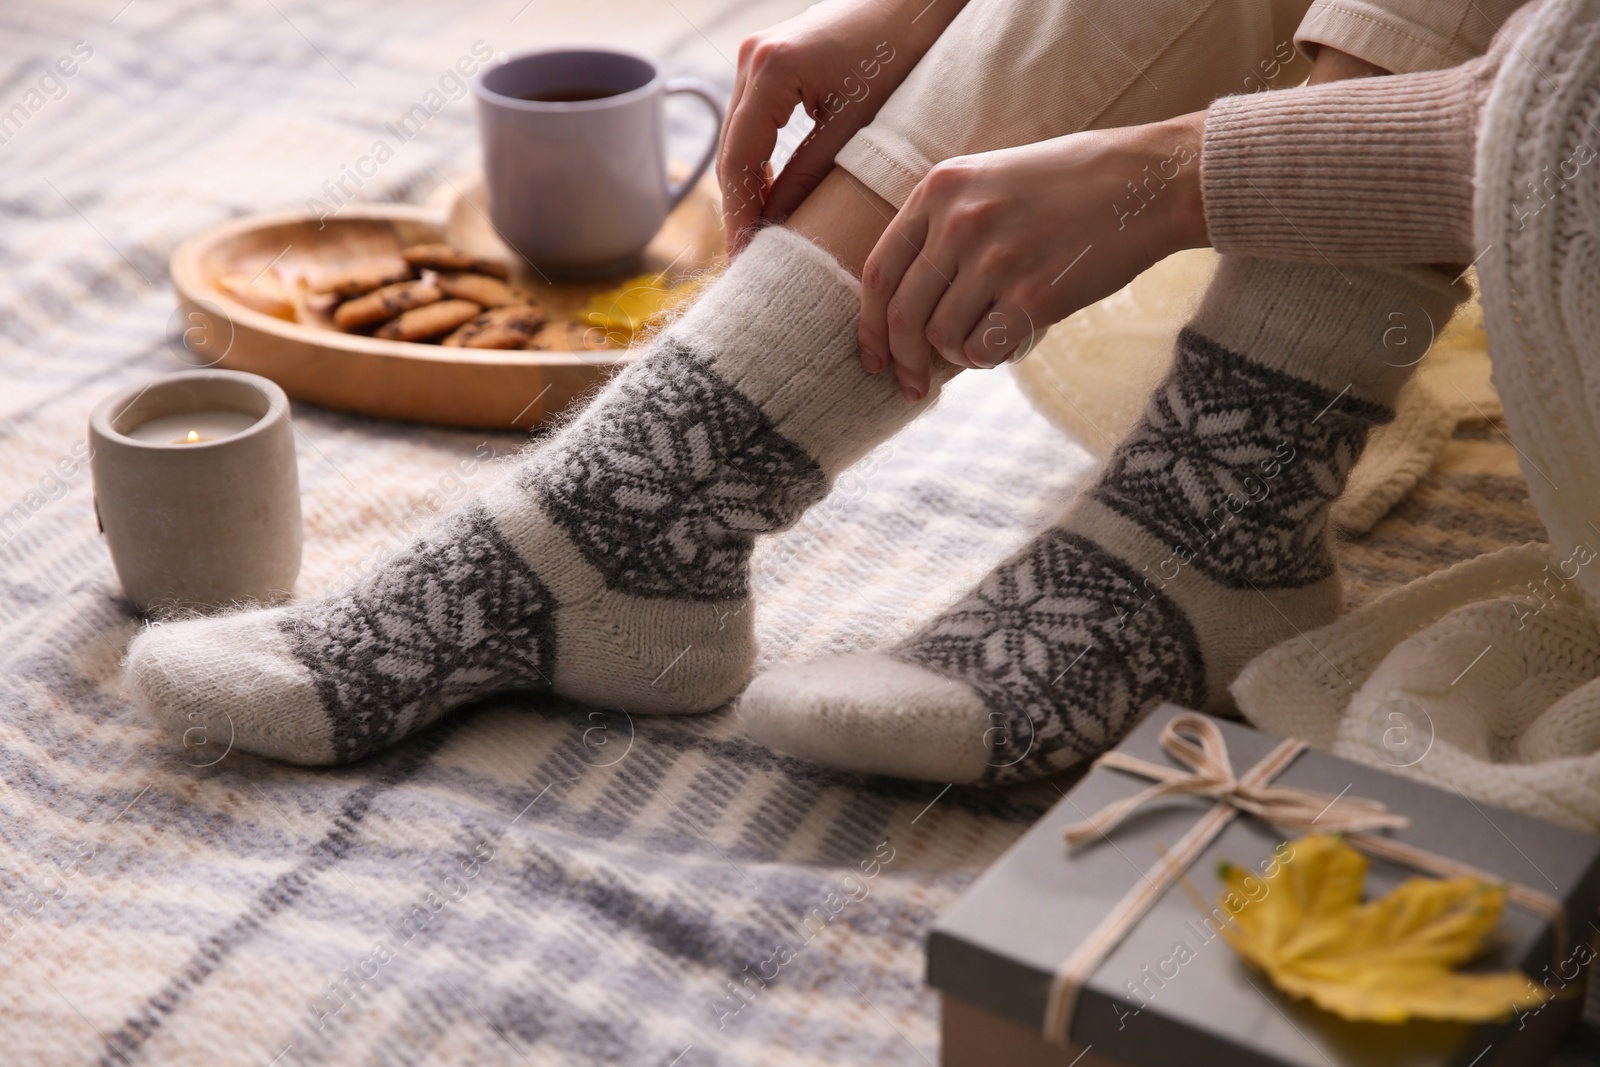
(194, 427)
(196, 489)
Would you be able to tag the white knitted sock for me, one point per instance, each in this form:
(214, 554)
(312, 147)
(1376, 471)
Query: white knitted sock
(1203, 542)
(609, 566)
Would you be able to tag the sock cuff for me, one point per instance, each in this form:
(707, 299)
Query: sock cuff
(813, 257)
(780, 327)
(781, 290)
(1361, 329)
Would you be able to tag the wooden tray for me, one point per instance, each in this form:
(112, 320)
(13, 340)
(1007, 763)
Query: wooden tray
(398, 379)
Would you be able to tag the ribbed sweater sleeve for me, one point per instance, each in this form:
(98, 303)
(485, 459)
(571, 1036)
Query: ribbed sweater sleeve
(1370, 170)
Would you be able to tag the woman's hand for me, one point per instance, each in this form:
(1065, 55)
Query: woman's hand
(840, 59)
(993, 247)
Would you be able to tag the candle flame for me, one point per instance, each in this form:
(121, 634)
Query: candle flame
(194, 436)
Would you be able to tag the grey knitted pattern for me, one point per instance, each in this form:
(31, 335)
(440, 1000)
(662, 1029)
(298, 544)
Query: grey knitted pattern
(455, 615)
(1067, 651)
(666, 490)
(1069, 645)
(663, 490)
(1239, 463)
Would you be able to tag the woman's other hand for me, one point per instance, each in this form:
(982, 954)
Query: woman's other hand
(991, 248)
(840, 59)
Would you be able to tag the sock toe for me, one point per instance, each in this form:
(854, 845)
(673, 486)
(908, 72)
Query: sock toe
(230, 682)
(872, 714)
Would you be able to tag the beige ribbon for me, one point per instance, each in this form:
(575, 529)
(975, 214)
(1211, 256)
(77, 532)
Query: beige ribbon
(1195, 741)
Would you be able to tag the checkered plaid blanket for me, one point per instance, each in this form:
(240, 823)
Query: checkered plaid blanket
(530, 882)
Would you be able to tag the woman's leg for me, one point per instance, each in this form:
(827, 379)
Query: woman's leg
(1203, 543)
(1012, 72)
(845, 217)
(611, 564)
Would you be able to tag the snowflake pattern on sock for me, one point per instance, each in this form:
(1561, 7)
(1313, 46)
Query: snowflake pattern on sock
(456, 614)
(1065, 652)
(1239, 463)
(666, 501)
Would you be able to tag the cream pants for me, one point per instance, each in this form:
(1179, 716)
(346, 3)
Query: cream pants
(1010, 72)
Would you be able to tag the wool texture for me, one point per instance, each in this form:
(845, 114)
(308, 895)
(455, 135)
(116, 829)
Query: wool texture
(1311, 174)
(1092, 372)
(1538, 211)
(1204, 541)
(1483, 678)
(611, 565)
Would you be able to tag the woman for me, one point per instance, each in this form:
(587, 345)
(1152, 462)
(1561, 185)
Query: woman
(611, 565)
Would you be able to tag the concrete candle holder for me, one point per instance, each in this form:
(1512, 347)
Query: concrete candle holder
(197, 490)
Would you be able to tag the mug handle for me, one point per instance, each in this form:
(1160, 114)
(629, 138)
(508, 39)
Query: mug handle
(676, 193)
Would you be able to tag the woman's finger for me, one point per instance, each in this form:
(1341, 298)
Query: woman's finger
(746, 145)
(752, 132)
(739, 78)
(804, 171)
(923, 285)
(897, 247)
(726, 181)
(1003, 332)
(958, 313)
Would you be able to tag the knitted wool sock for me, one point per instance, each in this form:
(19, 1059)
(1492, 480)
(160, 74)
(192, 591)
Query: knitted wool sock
(609, 566)
(1203, 542)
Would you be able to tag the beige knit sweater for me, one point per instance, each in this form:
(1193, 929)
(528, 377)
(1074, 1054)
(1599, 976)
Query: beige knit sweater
(1371, 170)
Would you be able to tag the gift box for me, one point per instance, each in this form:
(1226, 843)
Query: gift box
(1096, 955)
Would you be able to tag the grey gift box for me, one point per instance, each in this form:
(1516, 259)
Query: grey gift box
(994, 953)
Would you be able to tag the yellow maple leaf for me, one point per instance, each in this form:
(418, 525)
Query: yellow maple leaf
(634, 306)
(1305, 926)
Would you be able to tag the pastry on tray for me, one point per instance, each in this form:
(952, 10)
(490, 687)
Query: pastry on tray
(363, 278)
(483, 289)
(511, 326)
(381, 305)
(429, 321)
(265, 293)
(451, 297)
(444, 257)
(436, 293)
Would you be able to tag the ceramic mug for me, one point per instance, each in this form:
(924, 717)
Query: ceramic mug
(574, 152)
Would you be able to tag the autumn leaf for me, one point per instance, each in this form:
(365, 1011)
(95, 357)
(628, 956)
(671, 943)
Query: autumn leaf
(634, 306)
(1387, 960)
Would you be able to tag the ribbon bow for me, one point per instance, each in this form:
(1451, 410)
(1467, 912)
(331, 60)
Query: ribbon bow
(1195, 741)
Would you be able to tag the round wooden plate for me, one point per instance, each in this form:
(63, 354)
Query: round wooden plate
(314, 361)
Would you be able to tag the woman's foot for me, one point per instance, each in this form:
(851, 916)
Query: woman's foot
(610, 566)
(1202, 543)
